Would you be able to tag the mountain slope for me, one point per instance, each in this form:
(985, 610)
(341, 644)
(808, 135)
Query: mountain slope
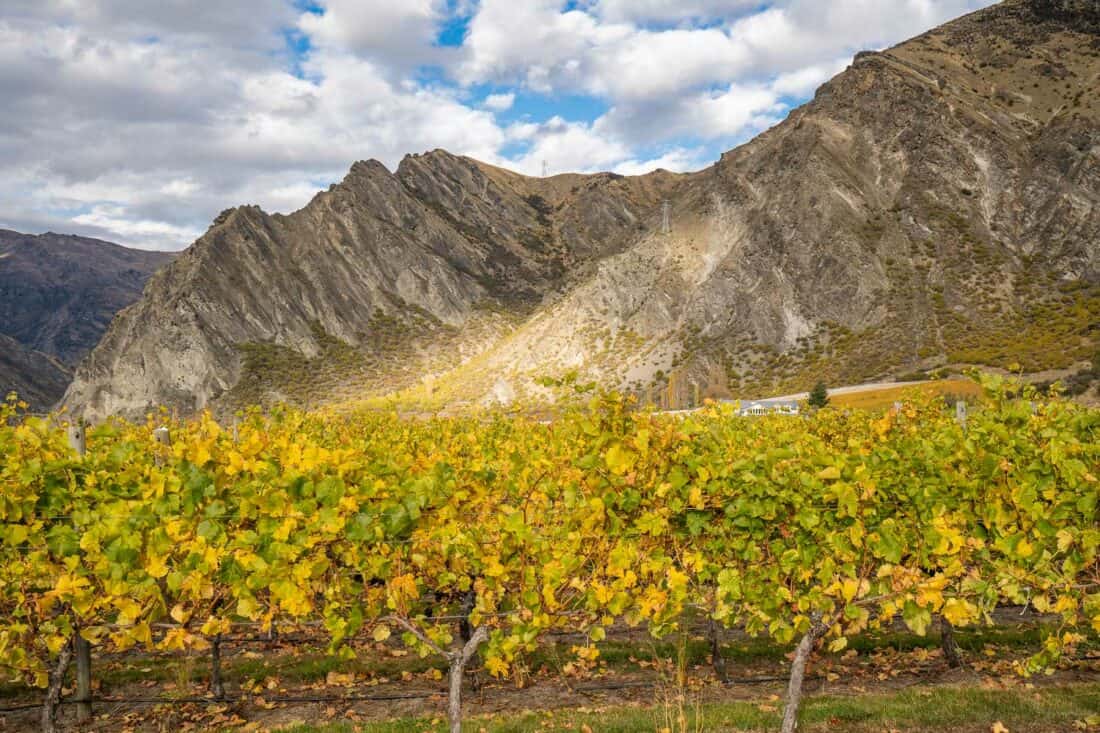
(57, 295)
(38, 379)
(936, 202)
(382, 273)
(59, 292)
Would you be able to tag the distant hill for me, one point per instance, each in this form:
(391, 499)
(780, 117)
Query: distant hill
(38, 379)
(935, 203)
(58, 293)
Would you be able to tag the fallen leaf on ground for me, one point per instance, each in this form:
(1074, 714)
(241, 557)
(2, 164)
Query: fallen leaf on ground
(336, 678)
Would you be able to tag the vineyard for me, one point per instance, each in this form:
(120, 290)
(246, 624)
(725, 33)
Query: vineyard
(476, 537)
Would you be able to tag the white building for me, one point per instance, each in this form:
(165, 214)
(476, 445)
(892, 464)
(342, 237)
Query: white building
(769, 407)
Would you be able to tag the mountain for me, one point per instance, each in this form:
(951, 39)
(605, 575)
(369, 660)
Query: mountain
(364, 287)
(935, 203)
(38, 379)
(58, 293)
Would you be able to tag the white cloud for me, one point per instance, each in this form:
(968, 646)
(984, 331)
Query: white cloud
(802, 82)
(590, 148)
(238, 28)
(119, 219)
(139, 121)
(649, 65)
(670, 11)
(732, 113)
(679, 160)
(500, 102)
(533, 42)
(145, 141)
(569, 146)
(401, 33)
(602, 49)
(180, 187)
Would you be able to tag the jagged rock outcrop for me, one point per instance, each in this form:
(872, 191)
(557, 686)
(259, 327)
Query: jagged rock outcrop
(58, 293)
(419, 254)
(936, 202)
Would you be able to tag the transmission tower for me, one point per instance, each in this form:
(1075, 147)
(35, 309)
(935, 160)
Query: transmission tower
(544, 169)
(666, 217)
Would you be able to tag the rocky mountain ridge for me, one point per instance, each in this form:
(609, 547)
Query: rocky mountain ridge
(379, 264)
(937, 202)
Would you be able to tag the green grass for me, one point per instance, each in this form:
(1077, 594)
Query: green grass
(310, 665)
(951, 710)
(966, 639)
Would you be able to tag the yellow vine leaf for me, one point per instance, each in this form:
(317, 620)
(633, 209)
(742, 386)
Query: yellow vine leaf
(959, 612)
(496, 666)
(695, 498)
(157, 567)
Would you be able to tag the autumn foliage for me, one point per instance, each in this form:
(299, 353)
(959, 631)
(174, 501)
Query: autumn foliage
(371, 524)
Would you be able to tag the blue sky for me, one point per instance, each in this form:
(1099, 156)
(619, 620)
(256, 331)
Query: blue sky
(138, 122)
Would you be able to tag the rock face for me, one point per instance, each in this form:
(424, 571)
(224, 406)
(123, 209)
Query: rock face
(365, 280)
(57, 295)
(936, 202)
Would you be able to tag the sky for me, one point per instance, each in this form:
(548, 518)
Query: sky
(138, 121)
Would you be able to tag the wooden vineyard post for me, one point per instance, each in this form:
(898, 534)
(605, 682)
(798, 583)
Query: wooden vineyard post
(76, 439)
(163, 437)
(83, 678)
(960, 414)
(82, 649)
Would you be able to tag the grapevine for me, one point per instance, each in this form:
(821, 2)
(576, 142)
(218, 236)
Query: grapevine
(365, 523)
